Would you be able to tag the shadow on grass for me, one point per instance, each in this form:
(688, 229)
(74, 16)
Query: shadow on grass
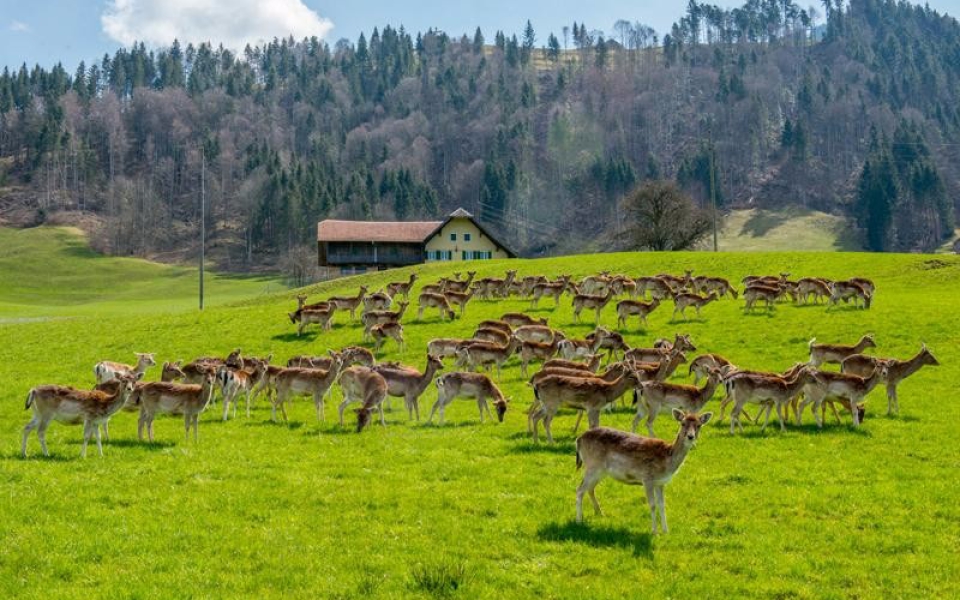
(308, 336)
(685, 321)
(563, 446)
(762, 222)
(599, 537)
(276, 424)
(134, 443)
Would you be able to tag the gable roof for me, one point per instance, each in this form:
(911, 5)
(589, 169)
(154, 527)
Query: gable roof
(460, 213)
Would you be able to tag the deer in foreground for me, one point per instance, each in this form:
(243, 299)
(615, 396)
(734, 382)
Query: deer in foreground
(304, 382)
(402, 288)
(188, 400)
(632, 459)
(588, 394)
(351, 303)
(841, 387)
(377, 317)
(238, 381)
(592, 302)
(656, 397)
(409, 383)
(897, 371)
(468, 385)
(638, 308)
(438, 301)
(106, 370)
(384, 331)
(835, 353)
(71, 406)
(364, 385)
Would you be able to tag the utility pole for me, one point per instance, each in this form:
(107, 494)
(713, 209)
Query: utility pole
(203, 220)
(713, 192)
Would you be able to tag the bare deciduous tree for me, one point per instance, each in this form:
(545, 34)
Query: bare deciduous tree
(661, 217)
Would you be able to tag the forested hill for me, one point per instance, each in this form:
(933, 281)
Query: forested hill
(852, 108)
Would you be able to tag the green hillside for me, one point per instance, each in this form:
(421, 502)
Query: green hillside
(303, 510)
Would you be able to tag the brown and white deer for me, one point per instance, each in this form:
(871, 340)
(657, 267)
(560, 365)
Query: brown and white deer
(377, 317)
(364, 385)
(588, 394)
(167, 398)
(849, 290)
(447, 347)
(536, 351)
(172, 371)
(490, 334)
(812, 286)
(474, 354)
(379, 300)
(318, 316)
(409, 383)
(468, 385)
(637, 308)
(106, 370)
(305, 382)
(351, 303)
(71, 406)
(460, 286)
(384, 331)
(438, 301)
(537, 333)
(766, 390)
(755, 294)
(836, 353)
(611, 341)
(515, 320)
(459, 299)
(656, 397)
(235, 382)
(684, 300)
(402, 288)
(590, 302)
(897, 371)
(551, 289)
(843, 387)
(632, 459)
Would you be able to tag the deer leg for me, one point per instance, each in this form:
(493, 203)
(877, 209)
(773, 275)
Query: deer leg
(26, 433)
(593, 418)
(892, 405)
(226, 405)
(663, 509)
(590, 480)
(187, 419)
(651, 491)
(196, 428)
(87, 432)
(383, 420)
(547, 427)
(42, 436)
(341, 408)
(780, 416)
(106, 430)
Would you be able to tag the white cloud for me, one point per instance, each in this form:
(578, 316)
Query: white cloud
(19, 27)
(234, 23)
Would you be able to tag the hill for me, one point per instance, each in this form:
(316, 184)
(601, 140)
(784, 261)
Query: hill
(534, 140)
(412, 510)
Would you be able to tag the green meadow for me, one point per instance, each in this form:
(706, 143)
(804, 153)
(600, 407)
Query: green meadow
(468, 510)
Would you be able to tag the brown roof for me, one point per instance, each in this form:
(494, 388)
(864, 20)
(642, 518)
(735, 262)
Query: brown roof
(375, 231)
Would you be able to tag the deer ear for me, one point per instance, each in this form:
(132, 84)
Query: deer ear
(678, 414)
(705, 418)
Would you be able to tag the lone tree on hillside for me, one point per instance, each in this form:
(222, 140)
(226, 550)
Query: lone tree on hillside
(661, 217)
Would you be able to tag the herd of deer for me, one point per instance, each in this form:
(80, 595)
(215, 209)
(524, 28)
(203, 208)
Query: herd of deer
(569, 376)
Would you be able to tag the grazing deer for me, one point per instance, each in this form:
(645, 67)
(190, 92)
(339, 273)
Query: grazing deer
(656, 397)
(588, 394)
(171, 371)
(364, 385)
(683, 300)
(438, 301)
(409, 383)
(632, 459)
(106, 370)
(611, 341)
(592, 302)
(531, 351)
(305, 382)
(847, 290)
(835, 353)
(760, 293)
(638, 308)
(515, 320)
(473, 354)
(840, 387)
(377, 317)
(167, 398)
(447, 347)
(319, 316)
(459, 299)
(71, 406)
(811, 286)
(489, 334)
(402, 287)
(384, 331)
(716, 284)
(461, 286)
(766, 389)
(377, 301)
(866, 284)
(468, 385)
(537, 333)
(351, 303)
(897, 371)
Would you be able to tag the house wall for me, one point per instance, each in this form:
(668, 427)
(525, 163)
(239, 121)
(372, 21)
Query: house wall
(479, 242)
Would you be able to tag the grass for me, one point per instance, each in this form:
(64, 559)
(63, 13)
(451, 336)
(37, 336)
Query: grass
(793, 229)
(310, 510)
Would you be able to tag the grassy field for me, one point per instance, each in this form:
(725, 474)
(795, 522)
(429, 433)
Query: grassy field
(310, 510)
(791, 229)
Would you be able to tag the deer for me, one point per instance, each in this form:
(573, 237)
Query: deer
(765, 279)
(379, 300)
(305, 382)
(847, 290)
(515, 320)
(489, 334)
(632, 459)
(767, 389)
(384, 331)
(350, 303)
(702, 365)
(897, 371)
(595, 285)
(716, 284)
(302, 305)
(438, 301)
(591, 364)
(377, 317)
(655, 397)
(613, 373)
(351, 355)
(537, 333)
(364, 385)
(683, 300)
(459, 299)
(171, 372)
(573, 349)
(106, 370)
(72, 406)
(840, 387)
(671, 358)
(553, 289)
(447, 347)
(319, 316)
(835, 353)
(531, 351)
(238, 381)
(403, 288)
(760, 293)
(611, 341)
(409, 383)
(811, 286)
(497, 324)
(658, 288)
(591, 302)
(167, 398)
(473, 354)
(578, 370)
(460, 286)
(468, 385)
(638, 308)
(588, 394)
(866, 284)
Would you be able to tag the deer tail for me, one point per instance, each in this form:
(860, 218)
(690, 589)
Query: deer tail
(29, 401)
(811, 343)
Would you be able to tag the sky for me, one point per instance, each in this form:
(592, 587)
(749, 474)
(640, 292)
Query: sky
(49, 31)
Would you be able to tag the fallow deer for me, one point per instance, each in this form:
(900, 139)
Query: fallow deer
(447, 347)
(638, 308)
(167, 398)
(632, 459)
(305, 382)
(897, 371)
(552, 289)
(515, 320)
(302, 305)
(702, 365)
(536, 351)
(171, 371)
(835, 353)
(683, 301)
(716, 284)
(591, 302)
(811, 286)
(840, 386)
(658, 288)
(71, 406)
(106, 370)
(319, 316)
(468, 385)
(571, 349)
(537, 333)
(238, 381)
(611, 341)
(766, 389)
(656, 397)
(403, 288)
(591, 364)
(460, 286)
(351, 355)
(474, 354)
(438, 301)
(754, 294)
(364, 385)
(588, 394)
(866, 284)
(384, 331)
(459, 299)
(846, 291)
(409, 383)
(351, 303)
(377, 301)
(489, 334)
(376, 317)
(497, 324)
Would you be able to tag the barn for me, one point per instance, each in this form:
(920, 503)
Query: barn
(350, 247)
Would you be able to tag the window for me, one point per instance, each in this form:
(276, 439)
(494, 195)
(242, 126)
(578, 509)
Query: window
(466, 237)
(453, 237)
(465, 255)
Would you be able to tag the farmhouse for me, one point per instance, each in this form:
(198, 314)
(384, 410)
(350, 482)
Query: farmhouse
(360, 246)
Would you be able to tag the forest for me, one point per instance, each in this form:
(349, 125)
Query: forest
(847, 107)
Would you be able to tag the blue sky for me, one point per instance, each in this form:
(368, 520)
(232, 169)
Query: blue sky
(47, 31)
